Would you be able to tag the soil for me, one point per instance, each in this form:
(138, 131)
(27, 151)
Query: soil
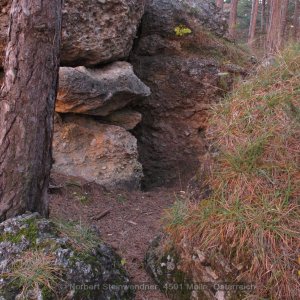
(129, 220)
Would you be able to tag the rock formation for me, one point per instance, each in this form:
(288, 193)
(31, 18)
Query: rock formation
(179, 55)
(206, 277)
(98, 92)
(105, 154)
(125, 118)
(178, 52)
(41, 259)
(94, 31)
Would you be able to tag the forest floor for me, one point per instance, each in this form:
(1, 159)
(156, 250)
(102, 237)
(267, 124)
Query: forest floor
(130, 220)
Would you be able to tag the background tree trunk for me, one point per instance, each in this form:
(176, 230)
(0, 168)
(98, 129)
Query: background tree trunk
(220, 4)
(263, 16)
(252, 28)
(296, 22)
(284, 15)
(232, 19)
(274, 28)
(27, 105)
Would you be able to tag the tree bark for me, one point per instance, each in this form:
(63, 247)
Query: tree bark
(284, 15)
(296, 22)
(274, 28)
(252, 28)
(220, 4)
(263, 16)
(232, 19)
(27, 102)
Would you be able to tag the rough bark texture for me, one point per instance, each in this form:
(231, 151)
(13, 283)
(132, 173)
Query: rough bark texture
(232, 19)
(220, 4)
(27, 106)
(284, 15)
(296, 20)
(274, 29)
(253, 22)
(263, 16)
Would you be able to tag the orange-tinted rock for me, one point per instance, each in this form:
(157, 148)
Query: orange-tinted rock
(96, 152)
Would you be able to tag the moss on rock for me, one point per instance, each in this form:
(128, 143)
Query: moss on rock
(39, 261)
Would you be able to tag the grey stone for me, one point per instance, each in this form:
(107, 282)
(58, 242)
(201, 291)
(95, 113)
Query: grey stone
(93, 31)
(98, 91)
(95, 266)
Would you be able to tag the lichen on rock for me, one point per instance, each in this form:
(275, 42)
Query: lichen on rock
(40, 259)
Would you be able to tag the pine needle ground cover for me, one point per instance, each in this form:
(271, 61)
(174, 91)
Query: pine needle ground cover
(252, 214)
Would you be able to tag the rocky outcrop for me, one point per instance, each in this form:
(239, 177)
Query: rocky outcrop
(180, 56)
(205, 277)
(101, 153)
(94, 31)
(98, 91)
(40, 259)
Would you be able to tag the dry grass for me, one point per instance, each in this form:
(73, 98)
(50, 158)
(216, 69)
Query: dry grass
(81, 236)
(35, 271)
(252, 216)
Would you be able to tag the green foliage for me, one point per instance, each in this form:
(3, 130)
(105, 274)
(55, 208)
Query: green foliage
(29, 231)
(182, 30)
(82, 237)
(177, 213)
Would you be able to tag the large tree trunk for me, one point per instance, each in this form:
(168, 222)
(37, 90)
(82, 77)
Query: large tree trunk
(232, 19)
(27, 105)
(252, 28)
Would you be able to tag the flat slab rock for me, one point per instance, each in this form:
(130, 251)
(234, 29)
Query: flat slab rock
(98, 91)
(93, 31)
(126, 118)
(105, 154)
(30, 245)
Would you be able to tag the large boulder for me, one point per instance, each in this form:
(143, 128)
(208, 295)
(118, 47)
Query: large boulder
(101, 153)
(182, 57)
(94, 31)
(98, 91)
(40, 259)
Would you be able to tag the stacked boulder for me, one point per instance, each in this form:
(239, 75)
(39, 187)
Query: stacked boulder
(91, 138)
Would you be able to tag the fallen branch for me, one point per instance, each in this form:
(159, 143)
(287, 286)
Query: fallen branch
(101, 215)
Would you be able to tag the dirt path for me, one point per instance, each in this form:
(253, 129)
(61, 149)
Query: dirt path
(132, 220)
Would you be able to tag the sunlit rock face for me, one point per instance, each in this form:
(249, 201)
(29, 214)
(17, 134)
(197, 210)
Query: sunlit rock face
(100, 153)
